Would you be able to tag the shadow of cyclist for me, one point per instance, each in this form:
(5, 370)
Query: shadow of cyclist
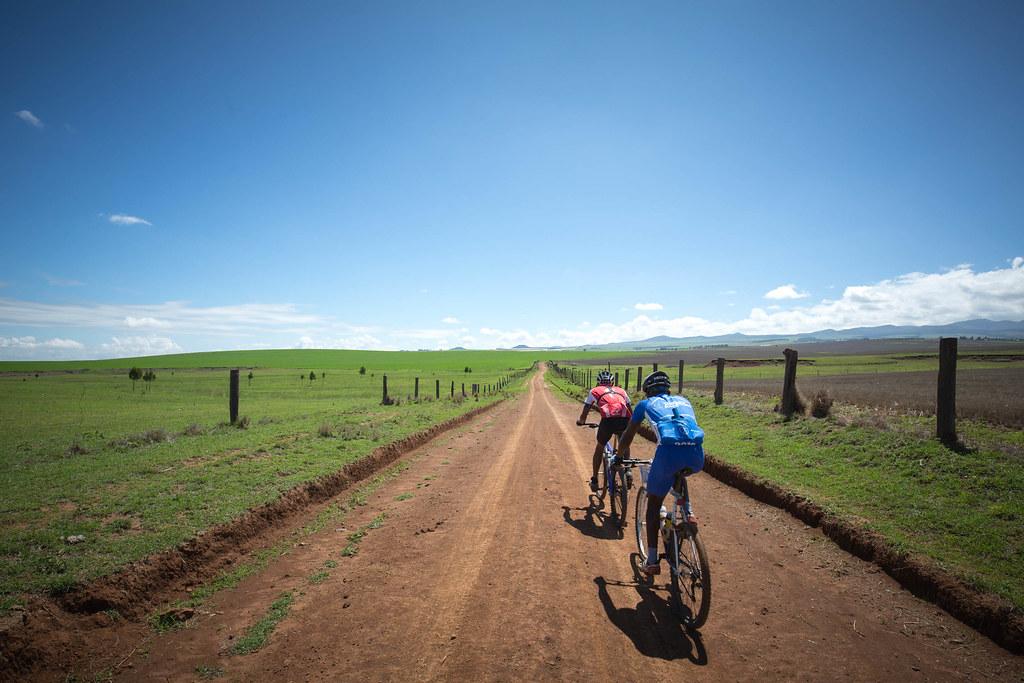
(652, 626)
(595, 522)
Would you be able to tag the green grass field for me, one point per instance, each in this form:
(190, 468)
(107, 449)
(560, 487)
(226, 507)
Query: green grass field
(138, 470)
(964, 509)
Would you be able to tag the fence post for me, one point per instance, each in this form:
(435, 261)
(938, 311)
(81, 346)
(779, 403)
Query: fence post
(945, 408)
(655, 368)
(233, 396)
(416, 391)
(463, 390)
(639, 374)
(384, 400)
(789, 383)
(616, 378)
(680, 389)
(627, 380)
(719, 377)
(453, 388)
(437, 388)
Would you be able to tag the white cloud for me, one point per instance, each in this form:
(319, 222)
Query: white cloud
(786, 292)
(450, 320)
(911, 299)
(182, 316)
(728, 292)
(359, 341)
(140, 346)
(29, 118)
(1018, 261)
(132, 321)
(55, 281)
(33, 343)
(122, 219)
(648, 307)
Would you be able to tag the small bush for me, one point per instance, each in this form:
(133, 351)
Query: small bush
(243, 422)
(194, 429)
(325, 430)
(156, 436)
(76, 449)
(821, 403)
(362, 370)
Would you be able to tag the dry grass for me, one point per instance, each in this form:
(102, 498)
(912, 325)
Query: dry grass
(821, 403)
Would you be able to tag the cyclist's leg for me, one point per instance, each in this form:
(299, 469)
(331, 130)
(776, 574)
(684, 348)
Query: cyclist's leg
(659, 481)
(692, 458)
(604, 433)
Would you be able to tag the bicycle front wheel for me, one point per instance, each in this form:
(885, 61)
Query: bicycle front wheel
(620, 501)
(691, 578)
(640, 523)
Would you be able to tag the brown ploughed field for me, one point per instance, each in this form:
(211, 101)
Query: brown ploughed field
(994, 395)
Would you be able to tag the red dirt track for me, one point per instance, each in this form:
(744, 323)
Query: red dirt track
(499, 569)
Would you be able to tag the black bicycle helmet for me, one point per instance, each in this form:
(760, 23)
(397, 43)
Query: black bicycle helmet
(656, 383)
(605, 377)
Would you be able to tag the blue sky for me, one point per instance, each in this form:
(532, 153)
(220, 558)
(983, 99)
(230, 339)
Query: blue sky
(195, 176)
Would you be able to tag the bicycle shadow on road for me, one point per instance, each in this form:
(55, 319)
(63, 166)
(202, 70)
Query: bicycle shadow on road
(595, 522)
(652, 626)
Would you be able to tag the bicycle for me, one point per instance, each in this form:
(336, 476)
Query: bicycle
(619, 482)
(690, 586)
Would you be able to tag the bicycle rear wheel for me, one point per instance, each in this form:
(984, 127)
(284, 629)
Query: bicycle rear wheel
(691, 577)
(640, 523)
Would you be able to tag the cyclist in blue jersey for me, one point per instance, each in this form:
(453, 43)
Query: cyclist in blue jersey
(679, 446)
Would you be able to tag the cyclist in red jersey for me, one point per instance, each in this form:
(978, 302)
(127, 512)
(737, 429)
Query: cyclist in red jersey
(613, 404)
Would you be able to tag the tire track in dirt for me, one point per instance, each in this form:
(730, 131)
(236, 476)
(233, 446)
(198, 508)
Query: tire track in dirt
(498, 569)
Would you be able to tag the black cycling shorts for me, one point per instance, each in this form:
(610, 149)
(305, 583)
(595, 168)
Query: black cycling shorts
(609, 426)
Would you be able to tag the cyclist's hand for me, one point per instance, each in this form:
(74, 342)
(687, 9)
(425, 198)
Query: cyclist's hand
(580, 423)
(623, 453)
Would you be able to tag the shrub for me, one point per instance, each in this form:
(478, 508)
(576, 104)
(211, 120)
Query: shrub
(325, 430)
(312, 375)
(821, 403)
(362, 370)
(243, 422)
(135, 374)
(468, 369)
(194, 430)
(76, 449)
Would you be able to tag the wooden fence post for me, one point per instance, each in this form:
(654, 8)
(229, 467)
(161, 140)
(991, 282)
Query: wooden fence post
(416, 391)
(627, 380)
(453, 388)
(655, 368)
(639, 375)
(233, 395)
(789, 383)
(719, 377)
(616, 380)
(463, 390)
(384, 399)
(437, 388)
(945, 407)
(680, 385)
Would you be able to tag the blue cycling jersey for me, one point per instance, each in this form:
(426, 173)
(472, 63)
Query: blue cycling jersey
(657, 407)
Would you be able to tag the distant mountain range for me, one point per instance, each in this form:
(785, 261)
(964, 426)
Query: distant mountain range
(989, 329)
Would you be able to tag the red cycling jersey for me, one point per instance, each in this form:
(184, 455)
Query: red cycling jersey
(610, 401)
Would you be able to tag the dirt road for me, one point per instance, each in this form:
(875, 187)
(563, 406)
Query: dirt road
(496, 568)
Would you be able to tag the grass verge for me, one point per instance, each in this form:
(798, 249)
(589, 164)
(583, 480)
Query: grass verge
(962, 508)
(257, 635)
